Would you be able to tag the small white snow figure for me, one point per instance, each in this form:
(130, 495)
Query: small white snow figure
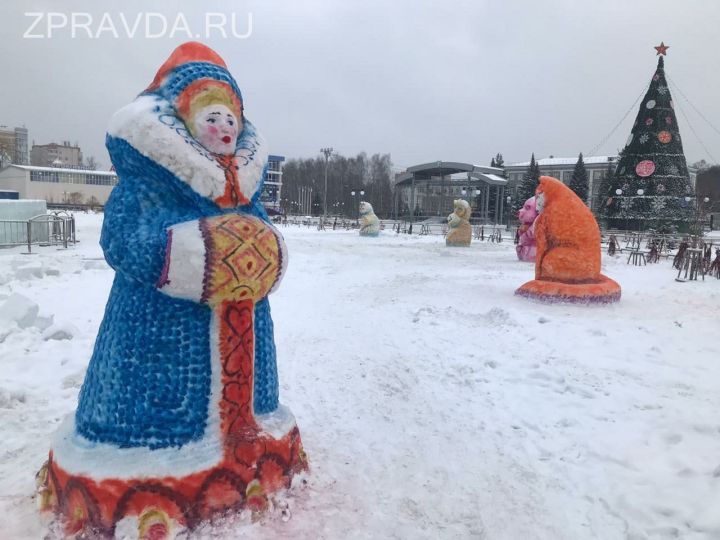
(369, 222)
(460, 231)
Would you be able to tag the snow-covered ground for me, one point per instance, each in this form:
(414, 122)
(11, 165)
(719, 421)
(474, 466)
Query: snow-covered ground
(432, 402)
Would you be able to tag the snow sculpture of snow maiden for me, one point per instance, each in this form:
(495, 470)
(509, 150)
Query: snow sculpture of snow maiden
(567, 266)
(526, 248)
(369, 222)
(178, 419)
(459, 229)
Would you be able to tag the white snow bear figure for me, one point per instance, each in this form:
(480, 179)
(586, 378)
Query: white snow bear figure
(369, 222)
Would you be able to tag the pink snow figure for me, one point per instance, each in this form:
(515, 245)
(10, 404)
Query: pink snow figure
(526, 242)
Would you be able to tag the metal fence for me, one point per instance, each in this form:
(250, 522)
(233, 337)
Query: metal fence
(53, 229)
(428, 227)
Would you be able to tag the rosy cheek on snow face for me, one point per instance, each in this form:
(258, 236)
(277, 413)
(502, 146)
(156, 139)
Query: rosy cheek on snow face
(207, 135)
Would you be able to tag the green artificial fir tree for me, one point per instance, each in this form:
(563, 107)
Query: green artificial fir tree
(579, 181)
(651, 181)
(606, 182)
(528, 185)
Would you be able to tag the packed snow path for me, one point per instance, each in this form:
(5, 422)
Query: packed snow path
(432, 402)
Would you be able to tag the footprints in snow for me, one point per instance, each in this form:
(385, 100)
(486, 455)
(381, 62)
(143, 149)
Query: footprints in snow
(496, 317)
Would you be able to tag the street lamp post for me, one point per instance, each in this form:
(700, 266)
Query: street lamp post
(508, 199)
(357, 203)
(441, 209)
(706, 200)
(696, 216)
(701, 211)
(327, 152)
(619, 192)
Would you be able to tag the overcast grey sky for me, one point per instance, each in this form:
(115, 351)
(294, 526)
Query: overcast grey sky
(452, 80)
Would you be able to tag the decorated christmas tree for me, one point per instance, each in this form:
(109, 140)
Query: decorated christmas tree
(651, 181)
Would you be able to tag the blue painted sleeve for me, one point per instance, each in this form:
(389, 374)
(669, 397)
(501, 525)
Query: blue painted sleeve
(134, 234)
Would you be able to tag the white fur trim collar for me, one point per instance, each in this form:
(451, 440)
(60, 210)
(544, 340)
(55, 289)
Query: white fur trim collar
(150, 125)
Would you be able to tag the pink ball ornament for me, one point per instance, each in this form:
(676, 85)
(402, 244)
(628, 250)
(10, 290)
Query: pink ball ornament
(645, 168)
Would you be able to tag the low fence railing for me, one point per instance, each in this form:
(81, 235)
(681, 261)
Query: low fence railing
(53, 229)
(427, 227)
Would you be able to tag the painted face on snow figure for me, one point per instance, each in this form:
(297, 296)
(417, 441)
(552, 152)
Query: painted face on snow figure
(529, 211)
(217, 128)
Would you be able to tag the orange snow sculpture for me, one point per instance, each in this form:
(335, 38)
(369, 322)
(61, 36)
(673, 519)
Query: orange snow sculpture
(567, 267)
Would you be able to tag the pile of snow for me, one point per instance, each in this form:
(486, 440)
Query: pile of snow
(20, 310)
(431, 401)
